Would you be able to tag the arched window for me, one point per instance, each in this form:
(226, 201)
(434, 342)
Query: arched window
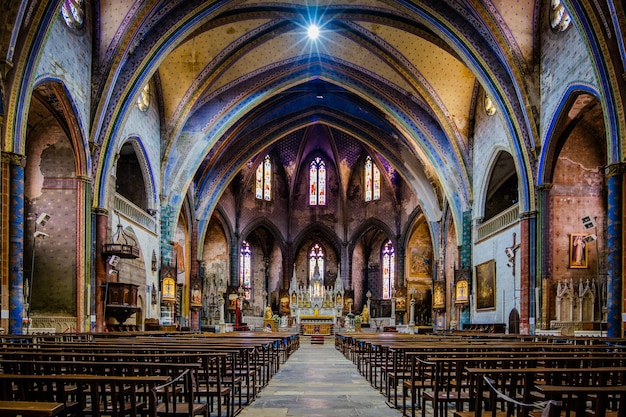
(317, 182)
(245, 268)
(264, 180)
(372, 180)
(143, 101)
(73, 13)
(316, 260)
(560, 18)
(129, 179)
(389, 269)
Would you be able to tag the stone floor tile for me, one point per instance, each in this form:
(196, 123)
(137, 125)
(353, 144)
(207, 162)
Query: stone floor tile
(318, 381)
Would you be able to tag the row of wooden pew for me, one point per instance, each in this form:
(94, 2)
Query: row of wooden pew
(515, 376)
(141, 374)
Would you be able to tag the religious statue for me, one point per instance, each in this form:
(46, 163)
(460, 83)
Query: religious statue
(365, 314)
(268, 313)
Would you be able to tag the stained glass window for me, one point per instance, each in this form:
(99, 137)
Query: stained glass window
(264, 180)
(389, 269)
(143, 101)
(73, 13)
(560, 18)
(317, 182)
(245, 268)
(316, 257)
(490, 107)
(372, 180)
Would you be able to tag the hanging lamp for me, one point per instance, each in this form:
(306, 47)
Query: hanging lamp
(122, 244)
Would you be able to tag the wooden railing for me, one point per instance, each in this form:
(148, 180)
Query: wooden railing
(501, 221)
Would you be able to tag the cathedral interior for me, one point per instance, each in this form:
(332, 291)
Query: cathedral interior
(444, 163)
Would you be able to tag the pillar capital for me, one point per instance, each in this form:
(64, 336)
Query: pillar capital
(528, 215)
(615, 169)
(100, 211)
(13, 159)
(84, 178)
(546, 186)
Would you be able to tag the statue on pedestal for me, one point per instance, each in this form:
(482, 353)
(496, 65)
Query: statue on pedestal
(268, 313)
(365, 314)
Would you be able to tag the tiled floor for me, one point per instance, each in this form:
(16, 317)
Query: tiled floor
(318, 380)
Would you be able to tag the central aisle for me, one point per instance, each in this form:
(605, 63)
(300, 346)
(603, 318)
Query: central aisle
(318, 380)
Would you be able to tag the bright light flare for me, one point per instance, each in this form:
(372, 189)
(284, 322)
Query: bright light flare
(313, 32)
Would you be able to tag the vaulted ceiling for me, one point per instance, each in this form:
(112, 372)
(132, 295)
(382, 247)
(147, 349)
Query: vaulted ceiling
(233, 78)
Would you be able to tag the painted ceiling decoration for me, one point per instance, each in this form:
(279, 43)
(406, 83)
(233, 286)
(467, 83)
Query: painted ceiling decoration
(220, 70)
(234, 79)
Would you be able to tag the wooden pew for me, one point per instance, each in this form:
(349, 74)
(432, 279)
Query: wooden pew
(31, 408)
(79, 393)
(523, 386)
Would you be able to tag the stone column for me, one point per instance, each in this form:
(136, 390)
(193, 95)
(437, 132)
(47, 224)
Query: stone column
(234, 262)
(526, 259)
(393, 310)
(101, 220)
(615, 179)
(543, 249)
(221, 303)
(16, 216)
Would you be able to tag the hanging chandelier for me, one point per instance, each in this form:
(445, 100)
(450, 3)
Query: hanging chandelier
(122, 244)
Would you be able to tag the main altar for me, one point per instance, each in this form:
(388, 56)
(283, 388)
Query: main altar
(316, 307)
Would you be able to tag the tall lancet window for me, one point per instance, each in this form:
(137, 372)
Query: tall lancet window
(317, 182)
(264, 180)
(316, 261)
(372, 180)
(389, 269)
(245, 268)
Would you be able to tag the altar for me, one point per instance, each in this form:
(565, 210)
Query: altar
(316, 308)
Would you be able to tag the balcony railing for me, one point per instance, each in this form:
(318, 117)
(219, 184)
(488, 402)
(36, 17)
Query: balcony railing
(134, 213)
(501, 221)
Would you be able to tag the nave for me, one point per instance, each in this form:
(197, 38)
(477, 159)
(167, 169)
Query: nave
(318, 380)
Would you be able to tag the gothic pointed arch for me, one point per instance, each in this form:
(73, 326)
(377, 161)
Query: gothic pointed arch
(56, 184)
(133, 176)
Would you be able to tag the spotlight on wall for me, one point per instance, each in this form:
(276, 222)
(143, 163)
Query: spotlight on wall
(152, 212)
(590, 238)
(42, 219)
(40, 235)
(588, 222)
(114, 260)
(113, 272)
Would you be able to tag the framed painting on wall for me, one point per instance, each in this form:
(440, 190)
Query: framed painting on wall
(461, 292)
(439, 295)
(485, 274)
(578, 250)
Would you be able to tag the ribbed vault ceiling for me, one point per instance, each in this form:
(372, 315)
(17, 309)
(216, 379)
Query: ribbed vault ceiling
(402, 78)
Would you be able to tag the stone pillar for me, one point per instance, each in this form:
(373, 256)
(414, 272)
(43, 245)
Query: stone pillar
(526, 259)
(15, 262)
(543, 251)
(465, 255)
(345, 269)
(84, 270)
(221, 303)
(400, 266)
(101, 220)
(412, 314)
(615, 179)
(234, 262)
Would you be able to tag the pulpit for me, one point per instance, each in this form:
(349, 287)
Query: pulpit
(121, 300)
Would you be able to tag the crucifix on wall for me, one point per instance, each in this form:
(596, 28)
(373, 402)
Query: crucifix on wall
(510, 253)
